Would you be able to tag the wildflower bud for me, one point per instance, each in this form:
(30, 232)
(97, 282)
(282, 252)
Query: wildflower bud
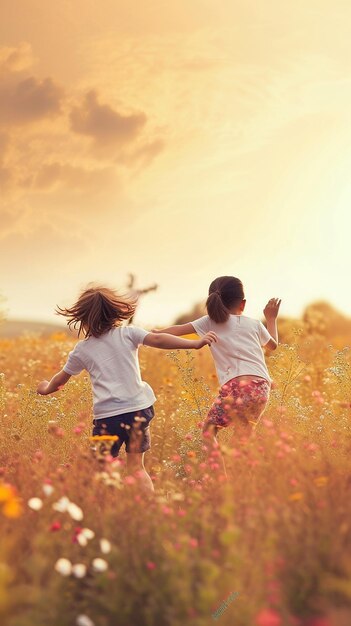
(99, 565)
(79, 570)
(35, 504)
(63, 567)
(105, 546)
(75, 512)
(84, 620)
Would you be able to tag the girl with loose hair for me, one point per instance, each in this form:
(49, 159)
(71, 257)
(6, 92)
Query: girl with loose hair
(238, 355)
(122, 401)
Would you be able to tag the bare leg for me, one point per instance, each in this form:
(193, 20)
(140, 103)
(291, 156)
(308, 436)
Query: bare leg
(135, 466)
(210, 433)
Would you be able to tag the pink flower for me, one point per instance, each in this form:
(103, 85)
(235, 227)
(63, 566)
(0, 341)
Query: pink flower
(193, 542)
(167, 510)
(268, 617)
(268, 423)
(129, 480)
(150, 565)
(55, 526)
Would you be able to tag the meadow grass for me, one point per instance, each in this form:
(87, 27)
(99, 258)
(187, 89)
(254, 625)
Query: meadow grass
(277, 534)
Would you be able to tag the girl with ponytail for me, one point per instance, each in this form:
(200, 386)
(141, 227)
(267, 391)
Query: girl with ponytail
(238, 355)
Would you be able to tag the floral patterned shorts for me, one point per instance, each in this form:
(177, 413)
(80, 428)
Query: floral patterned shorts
(245, 399)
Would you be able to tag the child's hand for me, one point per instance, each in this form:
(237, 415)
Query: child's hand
(271, 309)
(42, 387)
(207, 340)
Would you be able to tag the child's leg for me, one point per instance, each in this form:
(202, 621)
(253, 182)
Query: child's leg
(209, 432)
(136, 467)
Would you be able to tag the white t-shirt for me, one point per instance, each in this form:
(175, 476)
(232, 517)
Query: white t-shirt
(112, 362)
(238, 351)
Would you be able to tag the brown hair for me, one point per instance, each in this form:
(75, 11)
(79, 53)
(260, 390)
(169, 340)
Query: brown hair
(225, 292)
(97, 310)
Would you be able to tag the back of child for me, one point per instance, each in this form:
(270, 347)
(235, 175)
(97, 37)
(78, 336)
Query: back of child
(122, 401)
(238, 355)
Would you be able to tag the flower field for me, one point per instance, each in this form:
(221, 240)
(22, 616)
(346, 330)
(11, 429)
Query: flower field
(80, 546)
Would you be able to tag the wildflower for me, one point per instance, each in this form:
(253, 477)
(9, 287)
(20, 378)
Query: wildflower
(61, 505)
(105, 546)
(35, 504)
(64, 567)
(55, 526)
(81, 539)
(150, 565)
(296, 496)
(75, 511)
(100, 565)
(320, 481)
(79, 570)
(268, 617)
(193, 542)
(88, 533)
(48, 489)
(84, 620)
(129, 480)
(12, 508)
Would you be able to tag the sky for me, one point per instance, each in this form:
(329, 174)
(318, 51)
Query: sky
(179, 140)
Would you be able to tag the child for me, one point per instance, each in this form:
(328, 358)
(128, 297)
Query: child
(122, 400)
(241, 368)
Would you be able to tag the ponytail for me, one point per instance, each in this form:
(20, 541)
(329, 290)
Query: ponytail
(216, 309)
(225, 292)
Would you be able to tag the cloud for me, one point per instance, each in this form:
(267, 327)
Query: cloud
(104, 124)
(28, 99)
(54, 175)
(16, 59)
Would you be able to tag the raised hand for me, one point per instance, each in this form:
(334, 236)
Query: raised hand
(271, 309)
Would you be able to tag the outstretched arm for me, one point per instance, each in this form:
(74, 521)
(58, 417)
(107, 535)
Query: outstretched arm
(45, 387)
(177, 330)
(271, 311)
(169, 342)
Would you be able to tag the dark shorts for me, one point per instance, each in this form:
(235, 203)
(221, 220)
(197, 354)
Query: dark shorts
(243, 399)
(133, 429)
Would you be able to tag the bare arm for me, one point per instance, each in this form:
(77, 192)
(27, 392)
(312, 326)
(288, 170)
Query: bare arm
(169, 342)
(45, 387)
(271, 311)
(178, 330)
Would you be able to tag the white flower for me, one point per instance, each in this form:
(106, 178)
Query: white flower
(82, 540)
(105, 546)
(75, 511)
(100, 565)
(79, 570)
(35, 504)
(48, 489)
(89, 534)
(84, 620)
(61, 505)
(63, 567)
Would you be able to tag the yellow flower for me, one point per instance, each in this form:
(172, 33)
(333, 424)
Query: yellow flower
(320, 481)
(12, 508)
(6, 492)
(296, 496)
